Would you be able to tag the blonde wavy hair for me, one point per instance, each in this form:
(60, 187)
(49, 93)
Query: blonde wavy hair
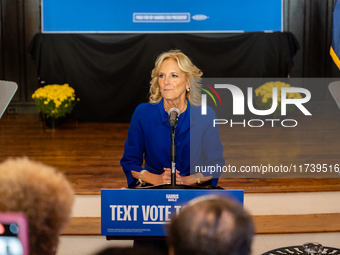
(192, 73)
(43, 194)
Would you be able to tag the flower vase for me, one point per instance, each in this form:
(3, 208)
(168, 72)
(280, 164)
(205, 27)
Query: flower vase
(53, 122)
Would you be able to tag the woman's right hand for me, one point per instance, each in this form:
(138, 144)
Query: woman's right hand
(165, 176)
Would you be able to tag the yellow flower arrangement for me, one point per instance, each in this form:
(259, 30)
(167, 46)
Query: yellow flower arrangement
(55, 100)
(264, 93)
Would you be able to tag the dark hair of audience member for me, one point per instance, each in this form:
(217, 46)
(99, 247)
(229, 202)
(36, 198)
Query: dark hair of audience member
(214, 226)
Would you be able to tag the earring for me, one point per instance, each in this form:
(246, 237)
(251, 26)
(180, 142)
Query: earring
(188, 90)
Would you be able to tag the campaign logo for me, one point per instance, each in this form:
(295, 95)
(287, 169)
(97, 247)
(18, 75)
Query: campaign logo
(200, 17)
(172, 197)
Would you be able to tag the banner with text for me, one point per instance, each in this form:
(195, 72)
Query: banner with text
(142, 212)
(133, 16)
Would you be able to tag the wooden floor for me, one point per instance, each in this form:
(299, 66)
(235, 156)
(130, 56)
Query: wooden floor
(89, 153)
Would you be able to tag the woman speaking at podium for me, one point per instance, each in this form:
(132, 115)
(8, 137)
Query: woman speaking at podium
(149, 133)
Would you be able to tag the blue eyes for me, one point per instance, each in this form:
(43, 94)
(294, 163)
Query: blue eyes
(173, 76)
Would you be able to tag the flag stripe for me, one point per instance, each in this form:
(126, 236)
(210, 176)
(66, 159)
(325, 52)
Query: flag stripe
(335, 48)
(335, 57)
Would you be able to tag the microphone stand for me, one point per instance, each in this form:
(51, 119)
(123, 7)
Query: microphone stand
(173, 157)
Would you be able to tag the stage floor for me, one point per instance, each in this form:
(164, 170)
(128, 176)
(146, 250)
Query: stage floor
(89, 153)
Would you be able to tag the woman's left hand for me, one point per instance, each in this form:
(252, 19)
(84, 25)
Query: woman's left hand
(186, 180)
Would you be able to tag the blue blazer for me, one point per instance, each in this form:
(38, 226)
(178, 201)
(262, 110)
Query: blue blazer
(149, 141)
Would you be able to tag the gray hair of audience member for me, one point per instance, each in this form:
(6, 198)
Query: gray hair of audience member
(211, 225)
(40, 192)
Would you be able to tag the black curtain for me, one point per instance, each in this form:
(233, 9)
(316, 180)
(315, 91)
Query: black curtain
(111, 72)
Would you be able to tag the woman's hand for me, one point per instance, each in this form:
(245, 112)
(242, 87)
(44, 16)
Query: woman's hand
(188, 180)
(157, 179)
(192, 179)
(168, 176)
(165, 177)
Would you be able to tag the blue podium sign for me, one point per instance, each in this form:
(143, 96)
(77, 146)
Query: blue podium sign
(142, 212)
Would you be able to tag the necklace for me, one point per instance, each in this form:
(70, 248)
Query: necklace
(180, 110)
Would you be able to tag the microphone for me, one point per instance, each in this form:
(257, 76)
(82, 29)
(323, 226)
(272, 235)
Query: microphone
(173, 117)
